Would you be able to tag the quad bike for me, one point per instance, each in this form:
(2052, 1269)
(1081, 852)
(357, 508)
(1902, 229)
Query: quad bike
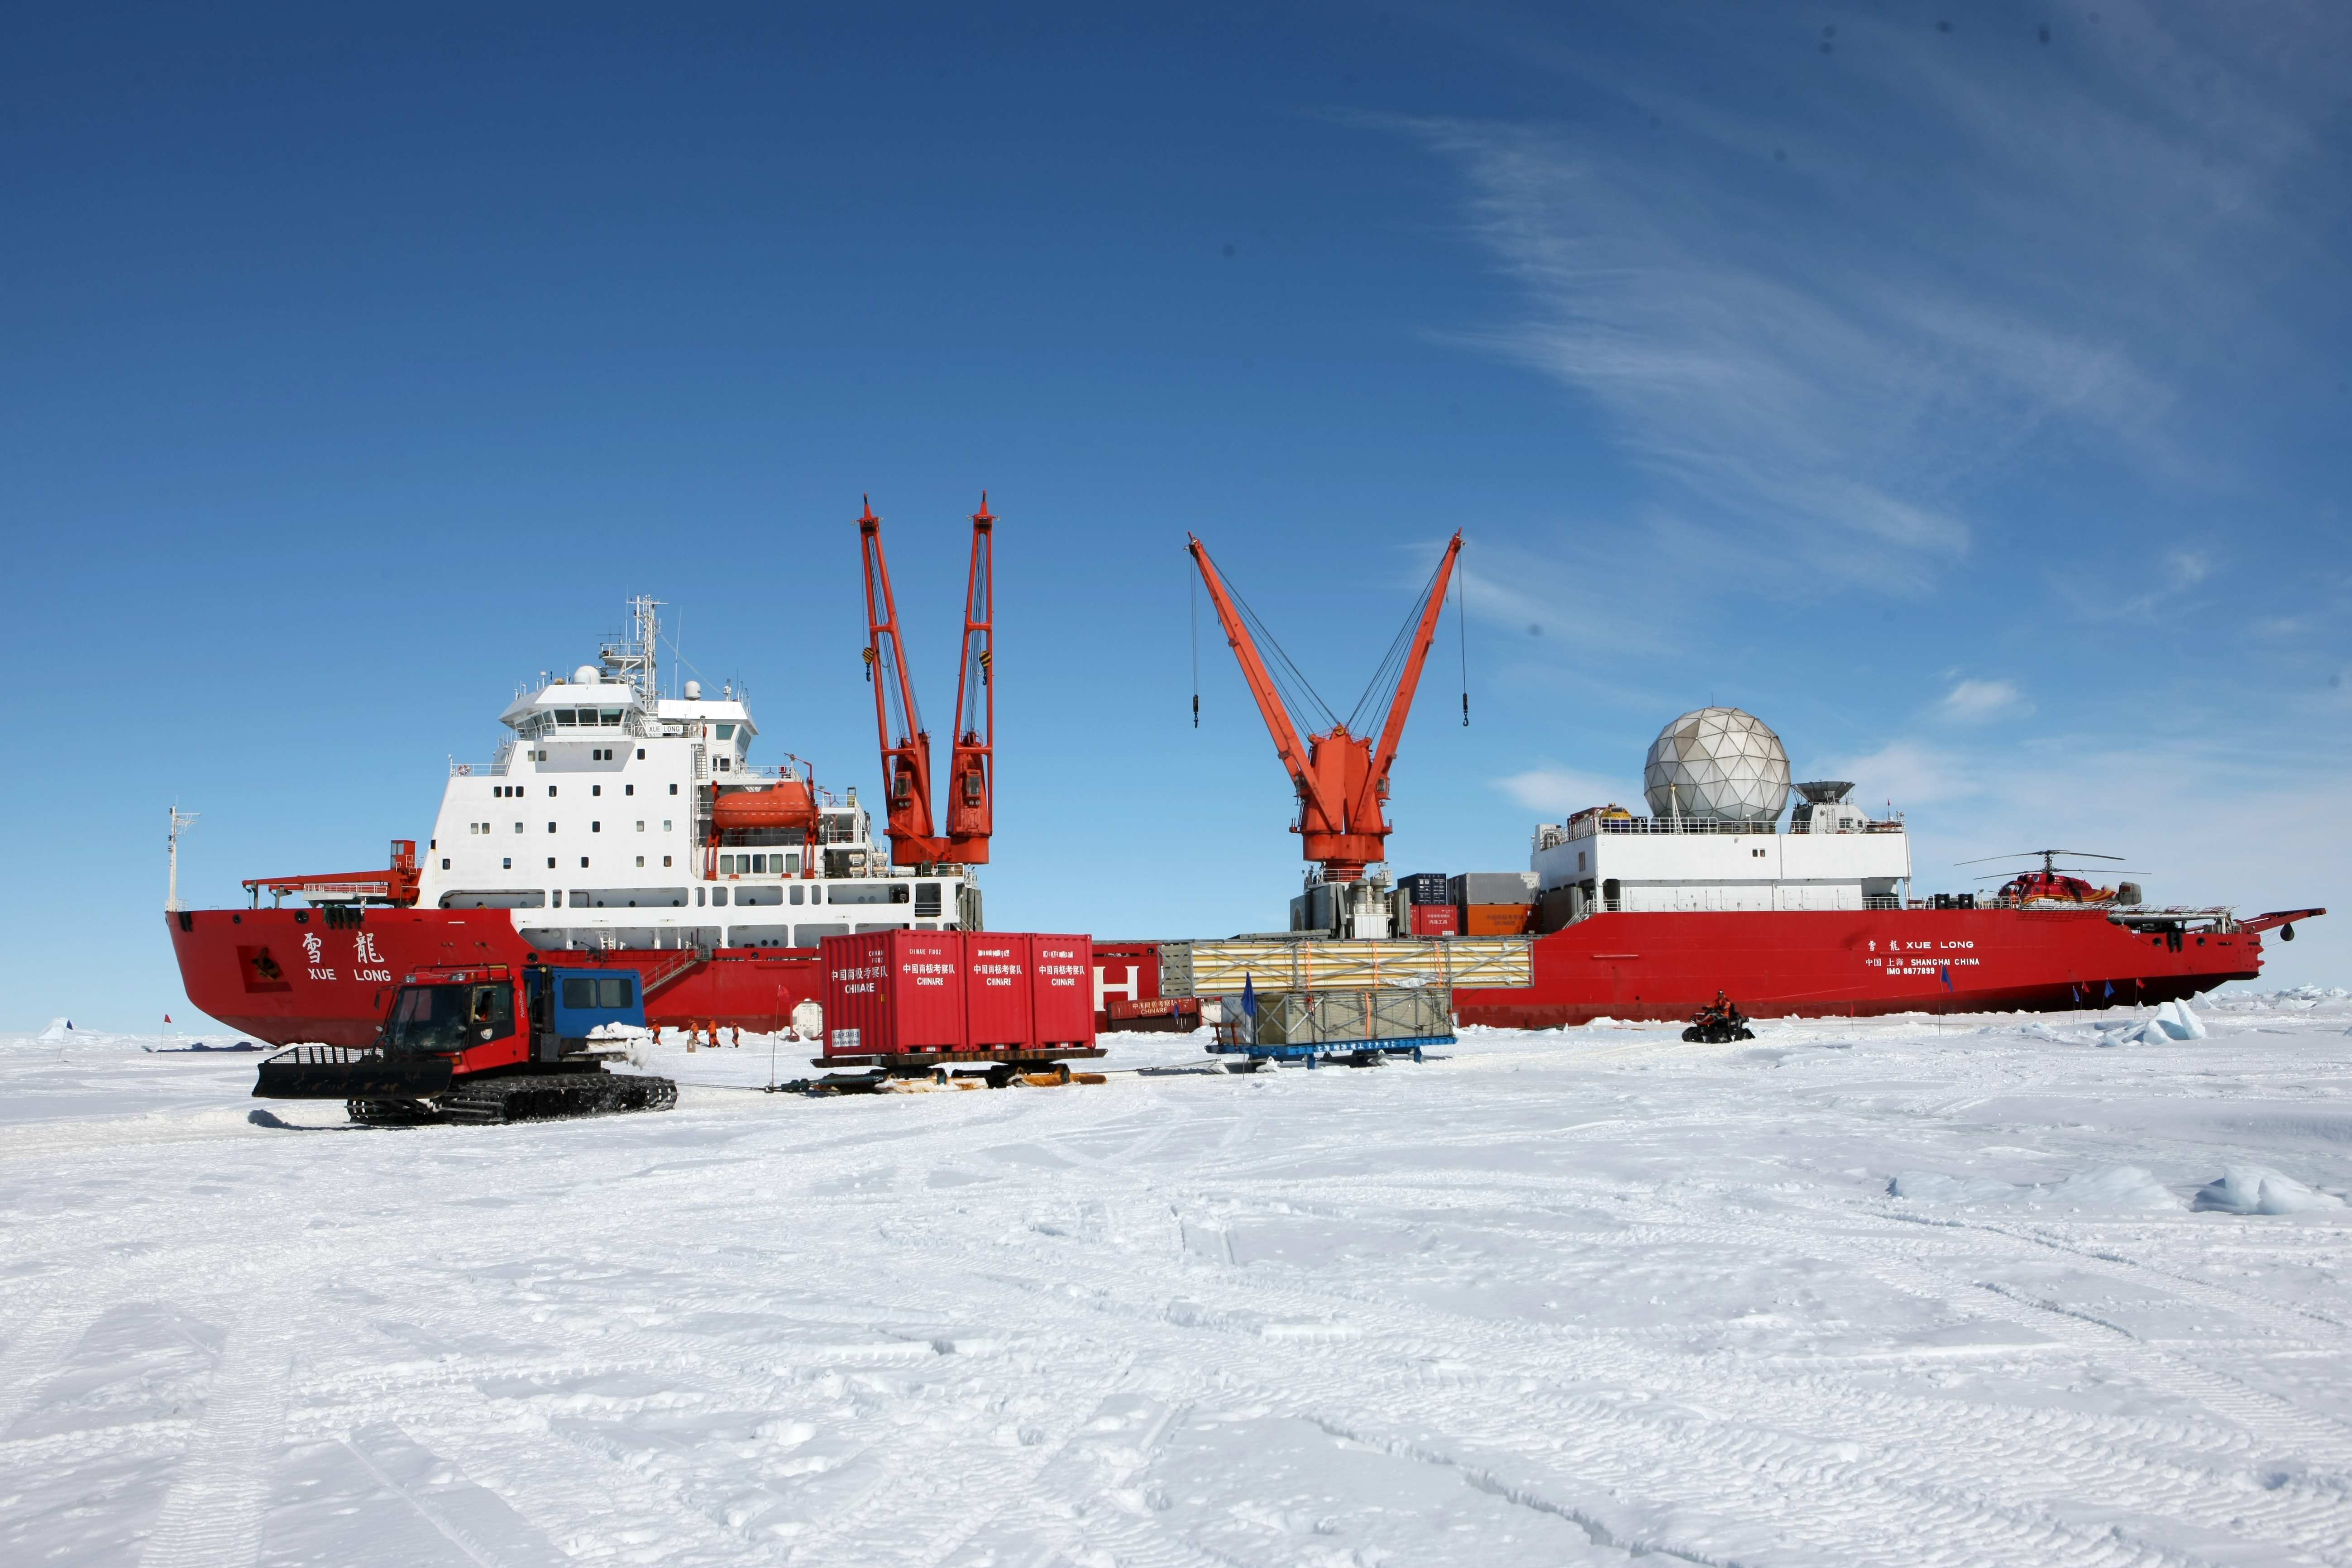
(1717, 1023)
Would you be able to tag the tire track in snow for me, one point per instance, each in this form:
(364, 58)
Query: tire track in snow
(1996, 1438)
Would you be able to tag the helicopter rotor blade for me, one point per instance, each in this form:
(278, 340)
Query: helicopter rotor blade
(2039, 855)
(2062, 870)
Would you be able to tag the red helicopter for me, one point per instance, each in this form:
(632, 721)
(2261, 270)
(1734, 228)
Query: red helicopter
(2050, 884)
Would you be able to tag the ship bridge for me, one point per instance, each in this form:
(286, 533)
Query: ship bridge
(593, 822)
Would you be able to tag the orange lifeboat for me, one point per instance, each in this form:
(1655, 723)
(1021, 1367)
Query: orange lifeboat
(789, 806)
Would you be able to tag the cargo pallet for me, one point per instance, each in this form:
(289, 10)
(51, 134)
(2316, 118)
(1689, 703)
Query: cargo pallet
(1358, 1053)
(996, 1068)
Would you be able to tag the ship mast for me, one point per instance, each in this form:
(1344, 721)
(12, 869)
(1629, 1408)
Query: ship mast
(180, 821)
(631, 655)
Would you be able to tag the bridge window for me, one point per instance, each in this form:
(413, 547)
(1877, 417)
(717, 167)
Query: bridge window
(726, 732)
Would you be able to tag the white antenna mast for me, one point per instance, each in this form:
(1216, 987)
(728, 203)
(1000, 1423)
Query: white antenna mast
(180, 821)
(633, 655)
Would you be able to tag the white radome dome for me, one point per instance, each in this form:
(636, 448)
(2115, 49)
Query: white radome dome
(1716, 765)
(587, 675)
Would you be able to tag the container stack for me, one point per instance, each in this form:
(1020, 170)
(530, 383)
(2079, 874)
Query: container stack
(1494, 903)
(1425, 906)
(908, 996)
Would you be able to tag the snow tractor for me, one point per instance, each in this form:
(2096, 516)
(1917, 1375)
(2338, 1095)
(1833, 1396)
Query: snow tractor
(480, 1044)
(1718, 1023)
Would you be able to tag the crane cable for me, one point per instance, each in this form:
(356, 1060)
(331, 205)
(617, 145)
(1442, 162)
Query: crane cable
(1462, 629)
(1192, 579)
(1391, 666)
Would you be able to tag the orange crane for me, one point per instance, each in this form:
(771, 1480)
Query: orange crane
(1341, 779)
(906, 744)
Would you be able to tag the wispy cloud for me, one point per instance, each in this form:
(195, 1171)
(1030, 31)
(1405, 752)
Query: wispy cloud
(2187, 568)
(1906, 773)
(1973, 701)
(1822, 314)
(1563, 790)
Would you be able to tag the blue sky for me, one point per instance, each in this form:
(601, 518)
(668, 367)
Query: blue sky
(1960, 389)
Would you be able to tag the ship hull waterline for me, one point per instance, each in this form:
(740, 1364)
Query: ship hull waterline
(287, 975)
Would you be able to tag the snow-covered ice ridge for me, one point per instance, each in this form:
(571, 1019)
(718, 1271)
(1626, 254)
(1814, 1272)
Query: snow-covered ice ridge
(1896, 1291)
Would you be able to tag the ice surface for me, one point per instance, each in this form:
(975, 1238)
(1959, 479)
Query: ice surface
(2258, 1189)
(2176, 1020)
(1912, 1290)
(2120, 1186)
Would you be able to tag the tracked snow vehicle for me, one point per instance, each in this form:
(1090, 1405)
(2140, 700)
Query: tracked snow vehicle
(481, 1043)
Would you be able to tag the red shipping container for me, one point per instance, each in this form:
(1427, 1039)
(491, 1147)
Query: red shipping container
(893, 993)
(1062, 981)
(1124, 970)
(996, 990)
(1437, 919)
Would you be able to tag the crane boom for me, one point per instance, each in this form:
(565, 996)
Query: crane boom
(1288, 743)
(1409, 681)
(972, 770)
(906, 745)
(1341, 782)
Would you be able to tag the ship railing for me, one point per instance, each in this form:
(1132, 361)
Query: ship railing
(1550, 833)
(494, 768)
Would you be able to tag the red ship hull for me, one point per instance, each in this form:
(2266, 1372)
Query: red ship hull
(1665, 965)
(291, 976)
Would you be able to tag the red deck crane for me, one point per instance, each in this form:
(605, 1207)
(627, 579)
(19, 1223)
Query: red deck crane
(906, 744)
(1341, 779)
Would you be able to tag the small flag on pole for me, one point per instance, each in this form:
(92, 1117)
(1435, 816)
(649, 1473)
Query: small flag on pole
(1249, 995)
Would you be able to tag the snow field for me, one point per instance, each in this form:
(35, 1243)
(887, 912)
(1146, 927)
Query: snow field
(1980, 1291)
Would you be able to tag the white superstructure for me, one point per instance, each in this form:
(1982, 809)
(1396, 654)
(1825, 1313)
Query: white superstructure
(593, 825)
(1832, 857)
